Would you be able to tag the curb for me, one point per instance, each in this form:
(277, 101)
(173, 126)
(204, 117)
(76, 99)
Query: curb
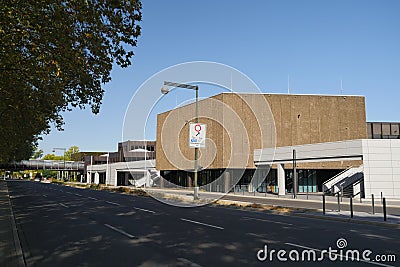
(17, 243)
(294, 213)
(350, 220)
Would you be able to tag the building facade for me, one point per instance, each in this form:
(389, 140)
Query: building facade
(133, 161)
(235, 129)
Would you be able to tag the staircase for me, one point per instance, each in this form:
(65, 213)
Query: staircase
(147, 180)
(344, 180)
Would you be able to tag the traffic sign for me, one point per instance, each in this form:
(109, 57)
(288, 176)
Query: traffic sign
(197, 135)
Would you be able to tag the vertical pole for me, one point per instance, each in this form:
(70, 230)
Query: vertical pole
(381, 197)
(91, 168)
(107, 173)
(294, 175)
(323, 203)
(308, 177)
(338, 201)
(341, 192)
(196, 189)
(64, 163)
(373, 204)
(384, 209)
(351, 207)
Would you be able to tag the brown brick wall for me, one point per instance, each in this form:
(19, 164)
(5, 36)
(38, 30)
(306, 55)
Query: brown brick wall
(299, 119)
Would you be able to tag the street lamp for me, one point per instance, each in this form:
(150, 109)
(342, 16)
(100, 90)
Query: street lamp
(165, 90)
(64, 149)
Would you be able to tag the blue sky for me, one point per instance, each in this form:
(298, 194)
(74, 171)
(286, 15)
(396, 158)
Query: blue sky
(317, 43)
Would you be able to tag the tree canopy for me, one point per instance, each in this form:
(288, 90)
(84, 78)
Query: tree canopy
(54, 56)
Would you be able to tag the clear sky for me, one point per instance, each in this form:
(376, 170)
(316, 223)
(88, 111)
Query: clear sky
(318, 43)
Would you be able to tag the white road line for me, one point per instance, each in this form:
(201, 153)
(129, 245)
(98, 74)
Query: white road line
(188, 262)
(112, 203)
(78, 195)
(205, 224)
(263, 220)
(119, 231)
(338, 255)
(65, 206)
(43, 206)
(93, 198)
(144, 210)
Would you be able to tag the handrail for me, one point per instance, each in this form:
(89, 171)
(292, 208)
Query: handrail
(337, 175)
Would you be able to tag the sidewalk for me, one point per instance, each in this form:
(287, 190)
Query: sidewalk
(10, 249)
(331, 214)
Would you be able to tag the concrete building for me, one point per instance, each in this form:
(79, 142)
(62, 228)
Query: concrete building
(235, 131)
(133, 164)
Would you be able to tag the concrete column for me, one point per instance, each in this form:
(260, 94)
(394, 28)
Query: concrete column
(116, 178)
(281, 180)
(88, 178)
(96, 178)
(227, 181)
(161, 182)
(189, 179)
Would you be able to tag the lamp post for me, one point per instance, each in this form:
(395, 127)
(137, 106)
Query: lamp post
(64, 149)
(165, 91)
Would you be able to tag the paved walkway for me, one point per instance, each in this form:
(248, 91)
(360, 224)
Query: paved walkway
(10, 255)
(362, 211)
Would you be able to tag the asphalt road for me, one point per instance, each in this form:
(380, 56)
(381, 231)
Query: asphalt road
(65, 226)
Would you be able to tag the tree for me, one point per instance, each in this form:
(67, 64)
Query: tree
(70, 151)
(54, 56)
(37, 154)
(53, 157)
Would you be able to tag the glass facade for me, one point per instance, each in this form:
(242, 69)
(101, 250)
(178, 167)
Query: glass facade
(308, 180)
(383, 130)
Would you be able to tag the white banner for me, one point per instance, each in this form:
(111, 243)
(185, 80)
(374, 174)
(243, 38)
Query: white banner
(197, 135)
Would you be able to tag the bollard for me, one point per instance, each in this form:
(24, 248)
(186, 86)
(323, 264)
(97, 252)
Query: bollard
(338, 202)
(384, 209)
(323, 204)
(373, 204)
(351, 207)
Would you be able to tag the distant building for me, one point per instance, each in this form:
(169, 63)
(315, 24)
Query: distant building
(125, 167)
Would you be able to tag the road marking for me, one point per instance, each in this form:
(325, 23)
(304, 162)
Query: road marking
(188, 262)
(119, 231)
(112, 203)
(65, 206)
(344, 256)
(93, 198)
(78, 195)
(205, 224)
(263, 220)
(44, 195)
(144, 210)
(43, 206)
